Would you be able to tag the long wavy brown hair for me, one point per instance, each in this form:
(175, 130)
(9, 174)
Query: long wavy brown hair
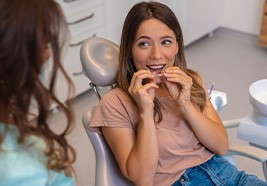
(26, 27)
(138, 14)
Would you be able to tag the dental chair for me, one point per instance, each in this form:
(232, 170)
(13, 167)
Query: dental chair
(99, 58)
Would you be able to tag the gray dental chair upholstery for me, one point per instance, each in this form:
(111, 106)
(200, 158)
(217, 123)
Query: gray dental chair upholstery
(99, 58)
(107, 169)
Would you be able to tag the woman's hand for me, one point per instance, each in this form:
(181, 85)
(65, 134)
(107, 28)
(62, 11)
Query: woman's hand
(143, 94)
(179, 84)
(207, 127)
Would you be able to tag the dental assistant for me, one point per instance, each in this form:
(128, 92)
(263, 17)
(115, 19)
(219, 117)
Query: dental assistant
(31, 152)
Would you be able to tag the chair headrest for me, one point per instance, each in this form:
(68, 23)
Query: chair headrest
(100, 59)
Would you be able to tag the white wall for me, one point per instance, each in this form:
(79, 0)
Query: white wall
(243, 15)
(116, 11)
(240, 15)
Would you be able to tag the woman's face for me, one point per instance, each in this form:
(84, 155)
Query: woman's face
(155, 47)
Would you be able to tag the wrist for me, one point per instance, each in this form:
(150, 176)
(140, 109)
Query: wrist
(187, 107)
(147, 116)
(147, 109)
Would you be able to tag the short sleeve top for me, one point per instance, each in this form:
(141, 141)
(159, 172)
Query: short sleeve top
(179, 147)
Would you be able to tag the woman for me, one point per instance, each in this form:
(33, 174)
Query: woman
(31, 153)
(159, 121)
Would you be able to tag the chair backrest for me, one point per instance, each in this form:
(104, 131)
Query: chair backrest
(99, 58)
(107, 169)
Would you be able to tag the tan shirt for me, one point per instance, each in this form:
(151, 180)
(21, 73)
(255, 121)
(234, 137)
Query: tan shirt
(179, 148)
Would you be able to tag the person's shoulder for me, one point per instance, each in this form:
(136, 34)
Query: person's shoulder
(116, 99)
(19, 166)
(60, 179)
(26, 165)
(115, 94)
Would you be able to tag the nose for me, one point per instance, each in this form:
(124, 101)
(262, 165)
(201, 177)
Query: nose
(155, 52)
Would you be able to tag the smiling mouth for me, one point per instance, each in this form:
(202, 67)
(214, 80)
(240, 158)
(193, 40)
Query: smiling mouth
(156, 69)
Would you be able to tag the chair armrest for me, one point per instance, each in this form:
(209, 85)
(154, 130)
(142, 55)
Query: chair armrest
(232, 123)
(254, 153)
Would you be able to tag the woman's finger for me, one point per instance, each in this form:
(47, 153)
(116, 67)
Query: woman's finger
(139, 76)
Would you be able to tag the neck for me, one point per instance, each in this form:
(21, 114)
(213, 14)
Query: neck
(162, 91)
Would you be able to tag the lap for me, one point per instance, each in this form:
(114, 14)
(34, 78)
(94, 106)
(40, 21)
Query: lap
(217, 171)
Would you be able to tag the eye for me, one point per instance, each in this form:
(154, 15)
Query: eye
(143, 44)
(166, 42)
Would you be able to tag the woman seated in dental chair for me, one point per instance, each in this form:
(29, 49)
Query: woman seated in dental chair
(159, 121)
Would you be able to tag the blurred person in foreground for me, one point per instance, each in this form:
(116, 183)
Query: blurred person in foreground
(32, 32)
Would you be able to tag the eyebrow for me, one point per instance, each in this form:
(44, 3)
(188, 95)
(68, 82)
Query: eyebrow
(146, 37)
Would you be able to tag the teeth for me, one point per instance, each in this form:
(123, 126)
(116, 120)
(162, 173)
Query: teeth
(155, 67)
(158, 75)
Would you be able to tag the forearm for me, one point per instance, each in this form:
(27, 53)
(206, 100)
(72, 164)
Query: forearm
(143, 160)
(211, 133)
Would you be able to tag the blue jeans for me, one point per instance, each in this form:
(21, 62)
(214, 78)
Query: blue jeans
(217, 171)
